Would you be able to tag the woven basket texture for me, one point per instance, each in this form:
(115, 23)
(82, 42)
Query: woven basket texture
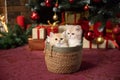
(63, 60)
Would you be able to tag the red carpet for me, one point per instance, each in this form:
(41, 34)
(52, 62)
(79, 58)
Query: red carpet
(23, 64)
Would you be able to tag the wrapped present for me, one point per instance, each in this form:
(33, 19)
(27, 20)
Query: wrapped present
(88, 44)
(109, 30)
(36, 44)
(109, 34)
(39, 32)
(106, 44)
(84, 24)
(71, 17)
(52, 27)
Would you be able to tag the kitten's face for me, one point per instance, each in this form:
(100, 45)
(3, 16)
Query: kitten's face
(73, 32)
(57, 38)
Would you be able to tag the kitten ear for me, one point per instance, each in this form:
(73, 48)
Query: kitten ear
(78, 28)
(51, 34)
(64, 33)
(48, 39)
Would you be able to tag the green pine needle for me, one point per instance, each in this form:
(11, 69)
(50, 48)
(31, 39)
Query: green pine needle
(15, 37)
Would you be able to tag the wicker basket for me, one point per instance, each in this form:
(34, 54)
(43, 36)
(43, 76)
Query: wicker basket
(63, 60)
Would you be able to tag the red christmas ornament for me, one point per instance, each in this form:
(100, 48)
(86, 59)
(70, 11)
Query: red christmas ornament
(48, 3)
(56, 5)
(35, 16)
(71, 1)
(86, 7)
(89, 35)
(116, 30)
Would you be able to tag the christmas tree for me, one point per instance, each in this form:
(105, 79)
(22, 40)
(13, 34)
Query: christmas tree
(99, 10)
(46, 8)
(106, 12)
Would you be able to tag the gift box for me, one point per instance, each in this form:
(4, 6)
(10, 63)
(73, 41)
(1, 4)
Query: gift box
(109, 30)
(36, 44)
(39, 32)
(106, 44)
(71, 17)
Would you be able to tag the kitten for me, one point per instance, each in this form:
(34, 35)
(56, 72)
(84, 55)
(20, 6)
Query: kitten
(74, 35)
(47, 39)
(58, 40)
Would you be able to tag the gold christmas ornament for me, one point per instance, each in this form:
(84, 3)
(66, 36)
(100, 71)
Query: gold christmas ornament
(100, 40)
(55, 17)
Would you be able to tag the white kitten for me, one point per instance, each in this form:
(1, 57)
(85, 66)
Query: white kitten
(74, 35)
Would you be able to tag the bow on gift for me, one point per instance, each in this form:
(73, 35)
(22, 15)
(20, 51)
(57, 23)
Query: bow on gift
(110, 36)
(52, 24)
(2, 20)
(52, 27)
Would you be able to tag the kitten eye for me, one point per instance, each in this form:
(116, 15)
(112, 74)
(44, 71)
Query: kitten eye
(68, 33)
(56, 39)
(61, 38)
(72, 33)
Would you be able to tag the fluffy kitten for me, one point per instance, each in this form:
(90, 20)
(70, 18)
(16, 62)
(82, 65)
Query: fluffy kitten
(58, 40)
(47, 39)
(74, 35)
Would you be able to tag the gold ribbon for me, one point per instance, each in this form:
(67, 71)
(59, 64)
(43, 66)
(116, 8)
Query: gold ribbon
(108, 30)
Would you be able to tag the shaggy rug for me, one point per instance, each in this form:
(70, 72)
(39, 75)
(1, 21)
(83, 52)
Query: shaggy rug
(22, 64)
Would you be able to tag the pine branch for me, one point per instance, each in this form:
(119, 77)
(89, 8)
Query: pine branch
(29, 30)
(14, 38)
